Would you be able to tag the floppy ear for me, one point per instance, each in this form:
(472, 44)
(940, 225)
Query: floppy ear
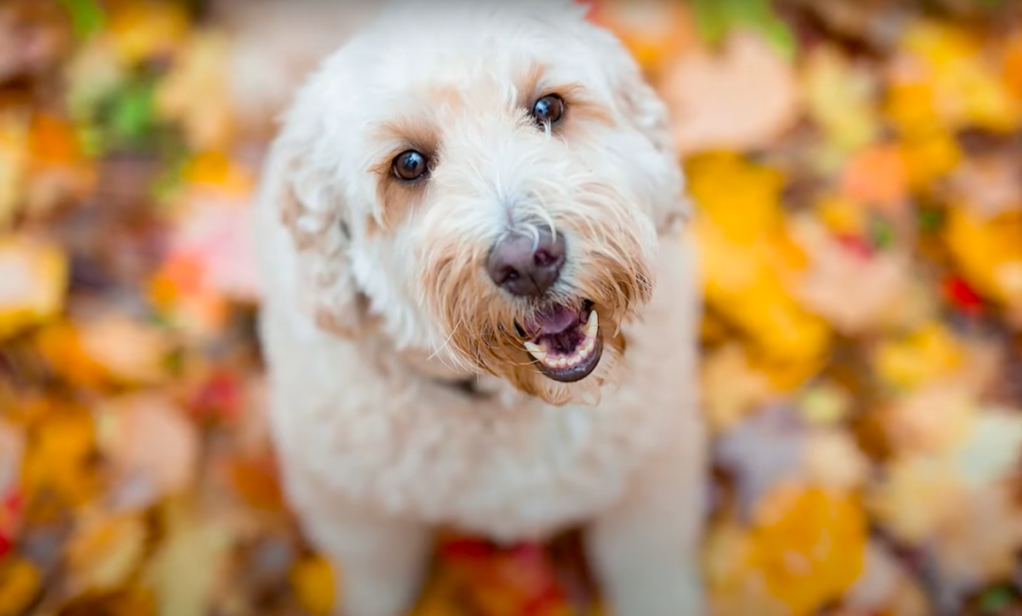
(640, 105)
(311, 206)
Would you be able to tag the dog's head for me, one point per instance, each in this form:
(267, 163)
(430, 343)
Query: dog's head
(487, 181)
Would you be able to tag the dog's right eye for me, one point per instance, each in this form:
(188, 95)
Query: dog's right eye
(410, 165)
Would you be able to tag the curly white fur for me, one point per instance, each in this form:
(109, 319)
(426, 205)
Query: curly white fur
(375, 299)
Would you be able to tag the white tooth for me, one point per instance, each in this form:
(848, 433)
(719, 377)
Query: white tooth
(592, 325)
(535, 350)
(562, 362)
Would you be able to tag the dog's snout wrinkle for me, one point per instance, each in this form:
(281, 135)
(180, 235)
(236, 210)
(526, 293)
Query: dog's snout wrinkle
(527, 265)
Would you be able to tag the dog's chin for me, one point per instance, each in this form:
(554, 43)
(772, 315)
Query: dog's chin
(563, 340)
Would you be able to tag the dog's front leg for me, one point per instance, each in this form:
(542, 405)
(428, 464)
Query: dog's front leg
(379, 563)
(645, 551)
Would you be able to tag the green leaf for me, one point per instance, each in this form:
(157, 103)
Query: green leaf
(715, 19)
(87, 16)
(995, 600)
(133, 113)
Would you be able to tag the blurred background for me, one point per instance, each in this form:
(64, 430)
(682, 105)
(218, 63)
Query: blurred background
(857, 169)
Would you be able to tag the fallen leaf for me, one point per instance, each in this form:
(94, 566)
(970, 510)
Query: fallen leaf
(20, 583)
(12, 448)
(186, 568)
(202, 66)
(987, 186)
(763, 451)
(880, 281)
(312, 580)
(731, 388)
(840, 97)
(33, 282)
(834, 462)
(104, 551)
(128, 350)
(877, 177)
(809, 546)
(745, 97)
(151, 445)
(989, 253)
(932, 419)
(139, 29)
(929, 353)
(918, 497)
(59, 457)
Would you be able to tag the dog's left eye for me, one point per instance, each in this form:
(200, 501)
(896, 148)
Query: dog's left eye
(410, 165)
(548, 110)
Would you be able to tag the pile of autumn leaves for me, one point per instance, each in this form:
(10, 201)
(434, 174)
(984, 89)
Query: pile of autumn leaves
(860, 226)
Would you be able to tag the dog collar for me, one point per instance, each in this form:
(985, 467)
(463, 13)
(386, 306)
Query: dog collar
(468, 387)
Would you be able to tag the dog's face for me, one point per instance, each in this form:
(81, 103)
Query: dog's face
(489, 182)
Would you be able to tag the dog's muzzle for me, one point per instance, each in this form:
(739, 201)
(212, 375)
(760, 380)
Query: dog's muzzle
(563, 340)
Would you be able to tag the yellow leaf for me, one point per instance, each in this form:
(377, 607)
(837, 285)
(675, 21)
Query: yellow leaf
(185, 569)
(105, 551)
(834, 462)
(989, 253)
(731, 388)
(202, 66)
(919, 496)
(841, 215)
(312, 580)
(19, 584)
(33, 283)
(14, 139)
(213, 168)
(809, 545)
(967, 89)
(929, 353)
(741, 198)
(59, 457)
(839, 97)
(824, 405)
(140, 29)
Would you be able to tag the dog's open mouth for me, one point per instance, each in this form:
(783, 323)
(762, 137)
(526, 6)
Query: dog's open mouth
(564, 341)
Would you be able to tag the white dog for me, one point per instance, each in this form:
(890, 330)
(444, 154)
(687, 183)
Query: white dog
(479, 310)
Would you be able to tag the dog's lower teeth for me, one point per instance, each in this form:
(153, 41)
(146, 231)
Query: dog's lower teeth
(543, 355)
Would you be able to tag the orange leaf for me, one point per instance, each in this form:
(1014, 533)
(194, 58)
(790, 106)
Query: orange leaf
(877, 177)
(53, 141)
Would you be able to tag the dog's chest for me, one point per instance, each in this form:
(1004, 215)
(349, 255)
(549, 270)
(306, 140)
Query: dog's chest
(451, 458)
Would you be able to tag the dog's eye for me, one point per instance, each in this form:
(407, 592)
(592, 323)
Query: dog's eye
(548, 110)
(410, 165)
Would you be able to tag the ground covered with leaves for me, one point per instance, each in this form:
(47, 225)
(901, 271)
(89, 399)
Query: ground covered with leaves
(857, 173)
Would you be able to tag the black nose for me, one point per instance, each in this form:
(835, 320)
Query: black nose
(525, 267)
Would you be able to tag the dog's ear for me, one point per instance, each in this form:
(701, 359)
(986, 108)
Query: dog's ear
(640, 105)
(312, 207)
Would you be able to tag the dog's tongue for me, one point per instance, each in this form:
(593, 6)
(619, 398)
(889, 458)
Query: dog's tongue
(553, 321)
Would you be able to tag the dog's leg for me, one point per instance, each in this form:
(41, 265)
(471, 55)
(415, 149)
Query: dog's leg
(645, 551)
(379, 564)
